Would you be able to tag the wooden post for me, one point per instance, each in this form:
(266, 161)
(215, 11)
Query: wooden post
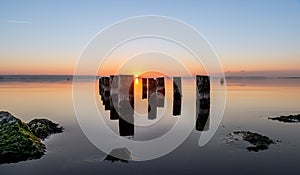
(101, 88)
(177, 96)
(202, 102)
(114, 97)
(126, 105)
(160, 91)
(144, 90)
(152, 99)
(106, 91)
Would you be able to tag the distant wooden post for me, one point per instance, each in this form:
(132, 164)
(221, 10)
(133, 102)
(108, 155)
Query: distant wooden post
(177, 96)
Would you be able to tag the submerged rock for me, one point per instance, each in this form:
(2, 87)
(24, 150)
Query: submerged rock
(257, 141)
(287, 119)
(119, 154)
(17, 142)
(43, 128)
(20, 141)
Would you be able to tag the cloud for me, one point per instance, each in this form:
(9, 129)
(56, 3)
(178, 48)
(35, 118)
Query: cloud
(19, 22)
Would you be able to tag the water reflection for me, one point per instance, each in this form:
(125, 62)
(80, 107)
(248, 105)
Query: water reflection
(117, 94)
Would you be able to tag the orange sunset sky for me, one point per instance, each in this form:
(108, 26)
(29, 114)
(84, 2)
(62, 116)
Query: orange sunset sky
(251, 38)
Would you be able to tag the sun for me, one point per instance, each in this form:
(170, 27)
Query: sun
(136, 79)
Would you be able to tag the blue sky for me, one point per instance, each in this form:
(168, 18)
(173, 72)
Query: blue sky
(248, 35)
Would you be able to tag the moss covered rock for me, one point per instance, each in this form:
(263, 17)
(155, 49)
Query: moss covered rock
(17, 142)
(43, 128)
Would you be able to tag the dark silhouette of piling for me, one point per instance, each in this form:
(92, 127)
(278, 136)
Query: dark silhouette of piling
(106, 93)
(177, 96)
(202, 102)
(114, 98)
(101, 88)
(126, 104)
(160, 91)
(144, 88)
(152, 99)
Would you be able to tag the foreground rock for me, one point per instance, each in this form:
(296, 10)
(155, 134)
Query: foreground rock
(43, 128)
(257, 141)
(17, 141)
(287, 119)
(119, 154)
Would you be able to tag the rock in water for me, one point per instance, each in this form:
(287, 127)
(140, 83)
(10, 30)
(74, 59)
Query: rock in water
(43, 128)
(287, 119)
(258, 142)
(17, 142)
(119, 154)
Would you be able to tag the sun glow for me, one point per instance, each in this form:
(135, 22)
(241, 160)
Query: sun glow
(136, 80)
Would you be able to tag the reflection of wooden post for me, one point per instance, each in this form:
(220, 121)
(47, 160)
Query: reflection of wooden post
(144, 90)
(202, 102)
(126, 104)
(177, 96)
(152, 99)
(160, 91)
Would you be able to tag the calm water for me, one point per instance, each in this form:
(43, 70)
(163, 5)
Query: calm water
(249, 102)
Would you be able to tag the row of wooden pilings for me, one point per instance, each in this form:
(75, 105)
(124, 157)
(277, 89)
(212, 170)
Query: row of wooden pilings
(117, 95)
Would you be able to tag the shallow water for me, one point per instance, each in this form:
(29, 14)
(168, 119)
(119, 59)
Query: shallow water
(250, 101)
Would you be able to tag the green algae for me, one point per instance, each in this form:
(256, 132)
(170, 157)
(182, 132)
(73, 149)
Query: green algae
(19, 142)
(43, 128)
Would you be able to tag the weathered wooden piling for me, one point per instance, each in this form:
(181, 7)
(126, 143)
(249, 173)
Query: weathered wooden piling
(202, 102)
(203, 90)
(106, 92)
(152, 99)
(125, 107)
(114, 98)
(177, 95)
(160, 89)
(144, 88)
(101, 87)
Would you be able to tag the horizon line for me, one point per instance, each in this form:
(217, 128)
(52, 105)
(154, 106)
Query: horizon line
(231, 76)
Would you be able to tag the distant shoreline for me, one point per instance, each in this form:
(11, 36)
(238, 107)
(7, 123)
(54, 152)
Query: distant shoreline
(92, 76)
(89, 78)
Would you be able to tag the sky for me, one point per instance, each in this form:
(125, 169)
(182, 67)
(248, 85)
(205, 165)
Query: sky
(251, 37)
